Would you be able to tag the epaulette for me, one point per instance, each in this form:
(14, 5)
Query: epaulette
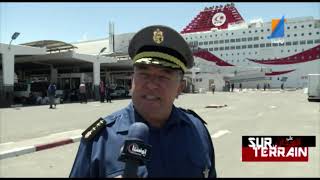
(94, 129)
(194, 114)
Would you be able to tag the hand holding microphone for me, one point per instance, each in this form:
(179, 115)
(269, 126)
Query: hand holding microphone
(135, 151)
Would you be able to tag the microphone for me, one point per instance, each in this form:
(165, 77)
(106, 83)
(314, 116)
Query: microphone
(135, 151)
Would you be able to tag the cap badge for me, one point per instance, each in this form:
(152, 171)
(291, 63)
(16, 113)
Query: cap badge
(158, 36)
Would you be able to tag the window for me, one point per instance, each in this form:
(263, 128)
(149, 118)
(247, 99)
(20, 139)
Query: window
(244, 39)
(226, 48)
(210, 35)
(268, 29)
(243, 32)
(215, 42)
(232, 47)
(226, 41)
(268, 45)
(275, 44)
(288, 35)
(216, 49)
(232, 40)
(281, 44)
(310, 25)
(200, 43)
(249, 31)
(261, 30)
(237, 47)
(295, 35)
(221, 41)
(317, 41)
(210, 42)
(244, 46)
(221, 48)
(288, 43)
(295, 43)
(250, 46)
(302, 26)
(238, 40)
(256, 45)
(256, 38)
(256, 31)
(310, 34)
(210, 49)
(317, 32)
(200, 36)
(302, 42)
(288, 27)
(249, 38)
(262, 45)
(302, 34)
(206, 43)
(262, 37)
(295, 27)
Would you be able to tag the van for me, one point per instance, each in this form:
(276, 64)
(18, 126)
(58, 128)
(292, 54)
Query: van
(314, 87)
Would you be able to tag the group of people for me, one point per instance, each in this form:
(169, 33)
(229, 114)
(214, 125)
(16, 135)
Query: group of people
(104, 92)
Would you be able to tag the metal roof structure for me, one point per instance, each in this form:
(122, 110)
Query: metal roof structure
(51, 45)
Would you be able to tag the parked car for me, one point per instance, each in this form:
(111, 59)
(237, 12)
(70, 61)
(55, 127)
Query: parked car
(119, 91)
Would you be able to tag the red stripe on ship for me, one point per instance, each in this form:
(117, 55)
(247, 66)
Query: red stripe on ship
(305, 56)
(278, 72)
(210, 57)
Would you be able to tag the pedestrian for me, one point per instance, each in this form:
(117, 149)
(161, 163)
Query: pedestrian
(108, 94)
(83, 92)
(52, 95)
(232, 87)
(240, 87)
(102, 91)
(213, 86)
(264, 86)
(181, 144)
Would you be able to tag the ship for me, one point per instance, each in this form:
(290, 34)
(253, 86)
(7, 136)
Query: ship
(229, 50)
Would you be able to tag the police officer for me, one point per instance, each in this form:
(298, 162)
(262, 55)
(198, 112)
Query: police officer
(181, 144)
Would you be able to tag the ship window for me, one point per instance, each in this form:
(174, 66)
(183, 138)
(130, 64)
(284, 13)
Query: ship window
(221, 54)
(295, 27)
(243, 32)
(221, 48)
(244, 39)
(288, 35)
(226, 41)
(238, 60)
(288, 43)
(302, 34)
(318, 32)
(256, 38)
(249, 38)
(275, 44)
(310, 25)
(256, 52)
(244, 46)
(249, 53)
(295, 50)
(206, 43)
(244, 54)
(302, 26)
(200, 36)
(281, 44)
(226, 48)
(221, 41)
(232, 40)
(282, 50)
(226, 54)
(268, 29)
(310, 42)
(210, 49)
(295, 35)
(256, 45)
(261, 30)
(262, 37)
(215, 42)
(216, 35)
(231, 33)
(256, 31)
(216, 49)
(186, 38)
(310, 34)
(262, 45)
(232, 54)
(210, 42)
(303, 42)
(237, 47)
(250, 46)
(317, 41)
(232, 47)
(295, 43)
(268, 45)
(288, 27)
(288, 51)
(249, 31)
(227, 34)
(200, 43)
(210, 35)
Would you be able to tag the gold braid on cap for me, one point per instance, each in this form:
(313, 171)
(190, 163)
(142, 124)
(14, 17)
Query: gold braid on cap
(160, 55)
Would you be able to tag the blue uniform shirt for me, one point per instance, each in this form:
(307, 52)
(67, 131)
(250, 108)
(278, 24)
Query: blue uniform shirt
(181, 148)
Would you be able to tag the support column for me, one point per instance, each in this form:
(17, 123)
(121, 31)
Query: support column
(6, 93)
(96, 79)
(54, 74)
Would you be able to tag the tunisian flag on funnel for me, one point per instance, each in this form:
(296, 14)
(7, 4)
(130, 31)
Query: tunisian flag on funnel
(276, 148)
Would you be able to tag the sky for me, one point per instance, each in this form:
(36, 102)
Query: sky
(74, 22)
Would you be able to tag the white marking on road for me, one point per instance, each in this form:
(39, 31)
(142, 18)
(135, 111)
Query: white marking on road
(220, 133)
(273, 107)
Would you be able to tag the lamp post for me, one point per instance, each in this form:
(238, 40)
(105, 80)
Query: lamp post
(13, 37)
(101, 51)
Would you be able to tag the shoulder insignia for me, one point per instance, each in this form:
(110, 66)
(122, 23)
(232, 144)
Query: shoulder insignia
(194, 114)
(92, 130)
